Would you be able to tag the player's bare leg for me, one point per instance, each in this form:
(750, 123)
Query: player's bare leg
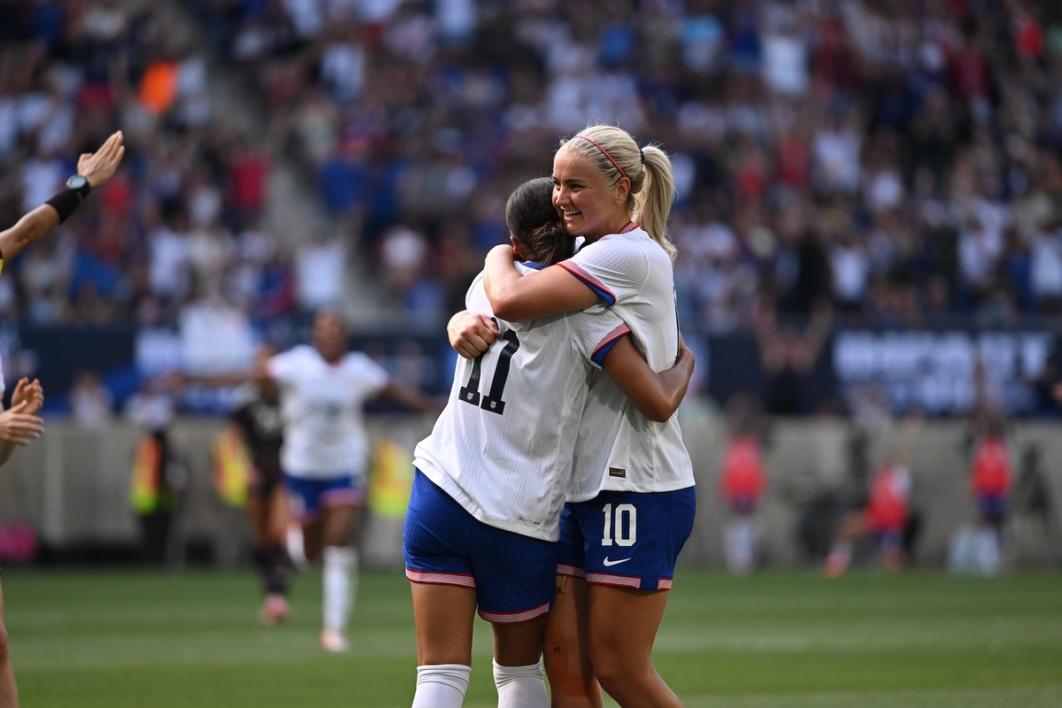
(340, 571)
(517, 674)
(567, 649)
(851, 527)
(8, 692)
(623, 626)
(443, 616)
(268, 516)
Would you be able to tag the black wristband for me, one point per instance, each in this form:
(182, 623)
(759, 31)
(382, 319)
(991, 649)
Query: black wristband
(65, 202)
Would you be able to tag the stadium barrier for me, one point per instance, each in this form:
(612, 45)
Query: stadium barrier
(73, 488)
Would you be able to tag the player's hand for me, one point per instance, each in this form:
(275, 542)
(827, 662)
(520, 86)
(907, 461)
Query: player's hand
(471, 334)
(32, 393)
(98, 167)
(18, 427)
(685, 353)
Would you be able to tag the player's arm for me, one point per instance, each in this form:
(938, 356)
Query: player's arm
(470, 334)
(411, 399)
(96, 168)
(657, 395)
(222, 380)
(552, 291)
(19, 425)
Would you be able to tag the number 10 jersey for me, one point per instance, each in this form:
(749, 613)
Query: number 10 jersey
(503, 446)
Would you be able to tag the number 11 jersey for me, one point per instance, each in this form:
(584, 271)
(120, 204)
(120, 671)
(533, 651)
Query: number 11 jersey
(503, 446)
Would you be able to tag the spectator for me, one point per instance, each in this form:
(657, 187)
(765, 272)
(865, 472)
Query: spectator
(90, 401)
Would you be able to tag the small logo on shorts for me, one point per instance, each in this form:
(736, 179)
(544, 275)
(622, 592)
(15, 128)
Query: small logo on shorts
(617, 472)
(608, 563)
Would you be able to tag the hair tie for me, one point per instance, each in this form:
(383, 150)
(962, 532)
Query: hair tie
(605, 153)
(641, 154)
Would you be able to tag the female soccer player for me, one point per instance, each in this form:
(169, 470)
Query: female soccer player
(20, 425)
(631, 501)
(258, 420)
(491, 478)
(325, 450)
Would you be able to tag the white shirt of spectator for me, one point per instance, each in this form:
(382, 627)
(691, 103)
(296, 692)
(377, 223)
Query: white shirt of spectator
(324, 432)
(785, 63)
(511, 468)
(618, 448)
(319, 272)
(169, 262)
(851, 269)
(1047, 265)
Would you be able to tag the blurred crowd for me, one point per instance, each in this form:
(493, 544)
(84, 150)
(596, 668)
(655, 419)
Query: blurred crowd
(896, 160)
(887, 161)
(180, 226)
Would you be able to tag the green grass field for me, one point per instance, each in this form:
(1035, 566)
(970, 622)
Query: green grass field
(140, 639)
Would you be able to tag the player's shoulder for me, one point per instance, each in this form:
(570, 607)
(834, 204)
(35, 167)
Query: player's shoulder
(298, 354)
(357, 361)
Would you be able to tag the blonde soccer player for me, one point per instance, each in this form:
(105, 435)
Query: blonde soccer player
(631, 501)
(491, 479)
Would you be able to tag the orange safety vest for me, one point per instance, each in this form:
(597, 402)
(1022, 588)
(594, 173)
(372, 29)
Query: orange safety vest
(742, 475)
(147, 475)
(390, 480)
(991, 468)
(232, 468)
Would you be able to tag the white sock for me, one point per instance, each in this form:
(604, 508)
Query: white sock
(988, 552)
(441, 685)
(520, 686)
(340, 582)
(740, 545)
(296, 550)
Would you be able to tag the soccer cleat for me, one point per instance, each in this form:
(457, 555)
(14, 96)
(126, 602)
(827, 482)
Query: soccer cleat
(836, 565)
(274, 610)
(334, 642)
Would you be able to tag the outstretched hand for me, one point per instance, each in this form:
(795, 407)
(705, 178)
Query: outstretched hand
(30, 392)
(98, 167)
(19, 427)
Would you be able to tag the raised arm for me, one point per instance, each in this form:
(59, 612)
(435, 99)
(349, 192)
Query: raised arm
(656, 394)
(552, 291)
(412, 399)
(176, 381)
(93, 170)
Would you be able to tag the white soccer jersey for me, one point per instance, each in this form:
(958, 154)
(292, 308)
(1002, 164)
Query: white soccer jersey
(618, 448)
(503, 446)
(321, 403)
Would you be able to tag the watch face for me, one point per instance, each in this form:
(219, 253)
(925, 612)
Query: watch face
(77, 182)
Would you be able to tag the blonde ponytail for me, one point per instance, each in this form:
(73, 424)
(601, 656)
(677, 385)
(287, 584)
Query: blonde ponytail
(652, 203)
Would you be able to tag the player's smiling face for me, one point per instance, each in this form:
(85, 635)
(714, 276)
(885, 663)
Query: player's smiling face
(588, 205)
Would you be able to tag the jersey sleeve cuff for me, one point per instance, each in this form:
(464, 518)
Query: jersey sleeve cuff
(605, 346)
(599, 288)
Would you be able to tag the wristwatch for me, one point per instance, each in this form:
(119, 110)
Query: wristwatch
(79, 184)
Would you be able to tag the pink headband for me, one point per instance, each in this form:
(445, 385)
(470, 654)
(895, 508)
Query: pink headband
(605, 153)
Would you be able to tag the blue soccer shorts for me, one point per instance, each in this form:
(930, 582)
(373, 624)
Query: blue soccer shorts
(993, 507)
(307, 495)
(626, 539)
(443, 544)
